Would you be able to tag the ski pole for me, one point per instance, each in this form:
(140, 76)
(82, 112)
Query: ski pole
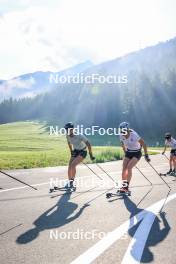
(18, 180)
(150, 185)
(165, 184)
(144, 176)
(166, 157)
(159, 175)
(88, 203)
(92, 171)
(105, 172)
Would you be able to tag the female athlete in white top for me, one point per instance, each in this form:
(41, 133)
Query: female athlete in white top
(171, 142)
(131, 143)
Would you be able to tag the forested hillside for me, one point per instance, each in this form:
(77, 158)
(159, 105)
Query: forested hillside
(147, 101)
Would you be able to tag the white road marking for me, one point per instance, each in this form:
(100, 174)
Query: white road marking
(87, 176)
(135, 249)
(45, 183)
(96, 250)
(23, 187)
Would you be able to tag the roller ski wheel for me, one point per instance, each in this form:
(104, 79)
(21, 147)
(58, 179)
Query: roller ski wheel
(108, 195)
(51, 190)
(55, 188)
(163, 174)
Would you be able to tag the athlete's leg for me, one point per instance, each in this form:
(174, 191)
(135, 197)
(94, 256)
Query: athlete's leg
(72, 166)
(124, 169)
(171, 161)
(124, 187)
(130, 166)
(174, 162)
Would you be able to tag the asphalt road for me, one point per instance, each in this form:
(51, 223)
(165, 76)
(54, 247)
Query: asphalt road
(85, 227)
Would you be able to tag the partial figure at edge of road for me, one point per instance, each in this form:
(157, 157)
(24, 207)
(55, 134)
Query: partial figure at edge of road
(132, 144)
(171, 142)
(78, 145)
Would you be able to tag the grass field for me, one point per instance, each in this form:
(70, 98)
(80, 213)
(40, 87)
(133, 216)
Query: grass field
(29, 145)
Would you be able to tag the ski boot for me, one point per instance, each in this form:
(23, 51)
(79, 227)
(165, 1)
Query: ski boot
(169, 172)
(173, 173)
(123, 191)
(71, 187)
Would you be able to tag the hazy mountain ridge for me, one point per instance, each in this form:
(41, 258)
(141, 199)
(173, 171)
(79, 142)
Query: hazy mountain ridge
(32, 84)
(147, 100)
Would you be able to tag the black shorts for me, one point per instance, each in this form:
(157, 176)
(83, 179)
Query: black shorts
(173, 152)
(76, 153)
(135, 154)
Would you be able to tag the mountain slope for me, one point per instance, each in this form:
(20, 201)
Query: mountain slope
(31, 84)
(147, 100)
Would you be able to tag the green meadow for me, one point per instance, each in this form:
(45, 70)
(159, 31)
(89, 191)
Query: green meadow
(29, 145)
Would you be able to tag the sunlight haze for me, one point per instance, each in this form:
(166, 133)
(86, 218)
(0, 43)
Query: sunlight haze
(54, 35)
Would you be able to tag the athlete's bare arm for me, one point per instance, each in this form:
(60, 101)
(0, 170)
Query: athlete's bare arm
(165, 147)
(89, 148)
(70, 147)
(123, 147)
(142, 143)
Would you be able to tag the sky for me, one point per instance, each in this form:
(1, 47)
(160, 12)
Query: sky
(53, 35)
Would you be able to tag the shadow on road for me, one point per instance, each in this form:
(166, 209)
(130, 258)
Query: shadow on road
(55, 217)
(156, 235)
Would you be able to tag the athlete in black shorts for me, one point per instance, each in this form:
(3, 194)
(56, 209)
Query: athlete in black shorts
(131, 143)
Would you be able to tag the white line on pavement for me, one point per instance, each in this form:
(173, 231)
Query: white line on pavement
(23, 187)
(45, 183)
(87, 176)
(135, 249)
(96, 250)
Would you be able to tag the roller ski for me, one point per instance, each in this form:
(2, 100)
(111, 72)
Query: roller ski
(169, 173)
(120, 192)
(67, 190)
(55, 188)
(69, 187)
(163, 174)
